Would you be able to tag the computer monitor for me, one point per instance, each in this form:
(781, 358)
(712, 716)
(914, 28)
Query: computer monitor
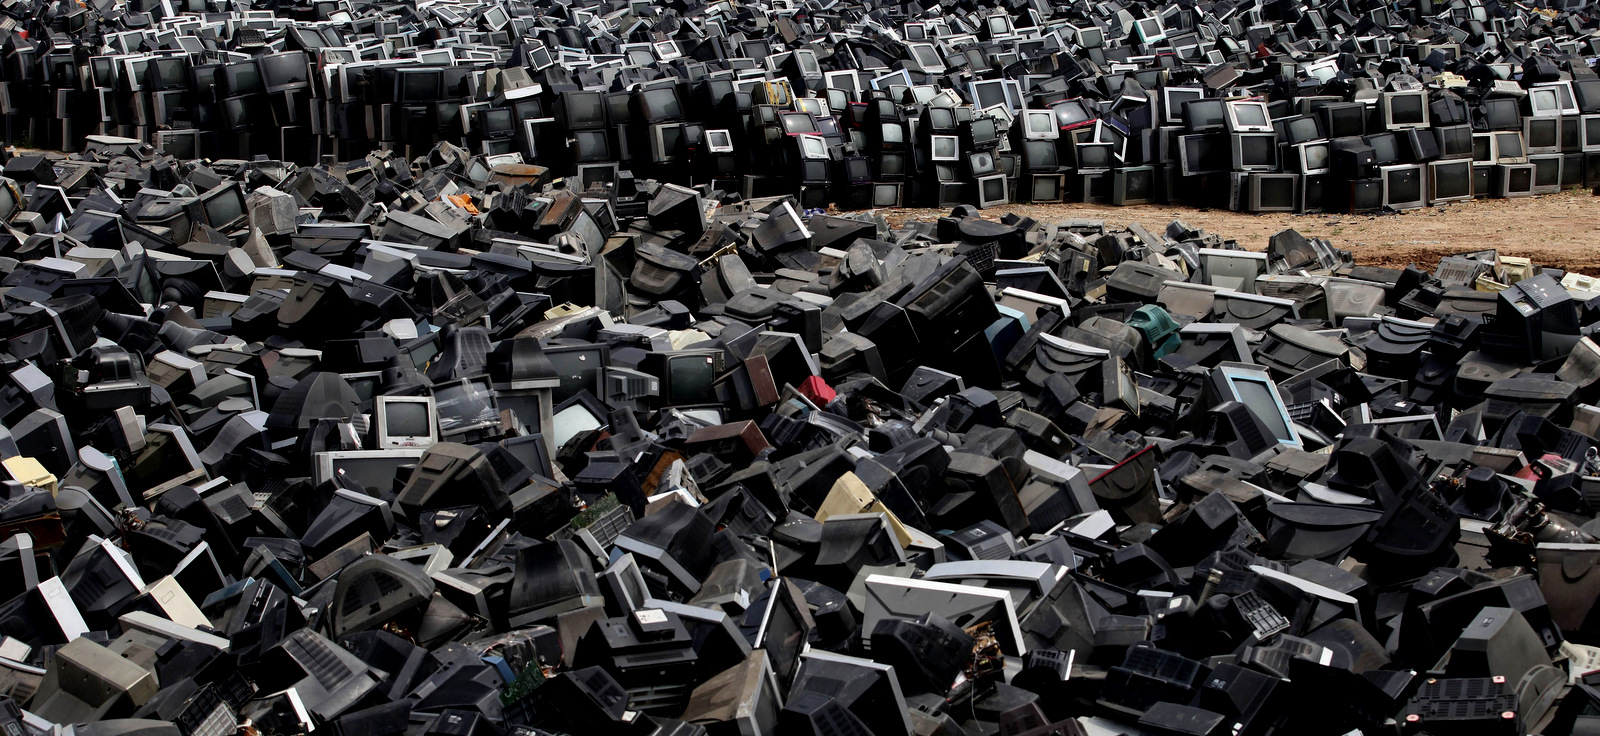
(1073, 113)
(1253, 386)
(1385, 148)
(1040, 156)
(885, 195)
(1552, 99)
(1546, 173)
(374, 471)
(1404, 110)
(948, 147)
(719, 140)
(405, 421)
(589, 146)
(992, 191)
(1403, 188)
(1172, 99)
(1450, 181)
(1589, 127)
(659, 104)
(1302, 128)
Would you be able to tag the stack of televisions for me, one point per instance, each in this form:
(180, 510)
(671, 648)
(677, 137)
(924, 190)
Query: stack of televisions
(981, 107)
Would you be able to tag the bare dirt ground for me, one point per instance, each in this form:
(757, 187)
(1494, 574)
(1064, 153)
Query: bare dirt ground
(1560, 230)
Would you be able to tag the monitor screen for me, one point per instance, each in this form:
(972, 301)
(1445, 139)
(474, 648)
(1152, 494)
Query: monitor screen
(496, 121)
(419, 86)
(284, 69)
(1315, 157)
(989, 93)
(407, 419)
(1591, 131)
(994, 189)
(892, 164)
(1455, 140)
(591, 143)
(1501, 114)
(1204, 113)
(242, 79)
(1304, 129)
(1547, 170)
(1257, 150)
(886, 195)
(940, 118)
(1276, 192)
(1407, 109)
(375, 472)
(662, 104)
(571, 421)
(1046, 188)
(1040, 154)
(984, 130)
(1071, 113)
(180, 144)
(1509, 145)
(1094, 156)
(1385, 147)
(1519, 179)
(671, 139)
(893, 133)
(1405, 185)
(1257, 395)
(1543, 132)
(225, 208)
(1346, 120)
(171, 72)
(1250, 114)
(1452, 180)
(946, 148)
(689, 378)
(585, 108)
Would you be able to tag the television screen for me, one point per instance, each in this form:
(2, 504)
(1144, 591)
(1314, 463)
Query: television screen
(1346, 120)
(180, 144)
(662, 104)
(1040, 154)
(941, 118)
(1071, 113)
(1501, 114)
(1547, 171)
(1591, 131)
(891, 164)
(1519, 179)
(689, 379)
(1202, 114)
(171, 73)
(496, 121)
(1543, 132)
(1276, 192)
(1385, 148)
(1046, 188)
(1257, 150)
(281, 70)
(1405, 185)
(1315, 157)
(1250, 114)
(225, 208)
(1509, 145)
(373, 472)
(1304, 129)
(894, 134)
(989, 92)
(994, 189)
(947, 148)
(1407, 109)
(242, 79)
(591, 144)
(1455, 140)
(886, 195)
(585, 109)
(407, 419)
(984, 131)
(419, 86)
(1094, 156)
(1452, 179)
(1258, 396)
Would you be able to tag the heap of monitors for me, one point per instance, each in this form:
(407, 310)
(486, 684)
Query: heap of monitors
(986, 106)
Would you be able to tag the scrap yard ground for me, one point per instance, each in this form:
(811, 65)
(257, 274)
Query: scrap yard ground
(1560, 230)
